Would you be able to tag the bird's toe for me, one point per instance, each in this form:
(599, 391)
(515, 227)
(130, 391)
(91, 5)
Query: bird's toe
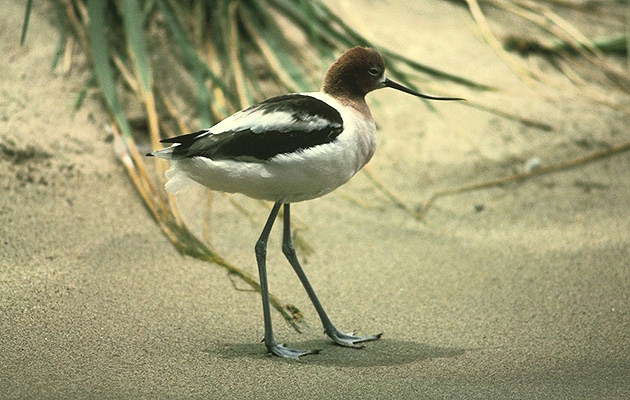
(351, 340)
(281, 350)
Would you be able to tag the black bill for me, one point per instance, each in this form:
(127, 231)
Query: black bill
(389, 83)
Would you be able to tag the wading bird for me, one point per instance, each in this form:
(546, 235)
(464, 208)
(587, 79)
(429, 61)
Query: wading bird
(287, 149)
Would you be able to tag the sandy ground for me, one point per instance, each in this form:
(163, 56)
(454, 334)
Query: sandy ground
(527, 298)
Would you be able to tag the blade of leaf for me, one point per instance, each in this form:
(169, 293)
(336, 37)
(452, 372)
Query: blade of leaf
(280, 46)
(324, 46)
(234, 46)
(137, 48)
(61, 45)
(101, 62)
(189, 53)
(434, 72)
(78, 102)
(133, 23)
(323, 28)
(267, 53)
(27, 17)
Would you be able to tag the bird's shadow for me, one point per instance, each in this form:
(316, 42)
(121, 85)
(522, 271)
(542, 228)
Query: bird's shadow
(384, 352)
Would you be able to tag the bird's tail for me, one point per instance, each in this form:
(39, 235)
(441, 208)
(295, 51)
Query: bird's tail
(177, 178)
(166, 153)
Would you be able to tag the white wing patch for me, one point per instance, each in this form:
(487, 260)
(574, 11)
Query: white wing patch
(258, 121)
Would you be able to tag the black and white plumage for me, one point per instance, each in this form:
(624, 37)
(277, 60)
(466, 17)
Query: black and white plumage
(279, 125)
(288, 149)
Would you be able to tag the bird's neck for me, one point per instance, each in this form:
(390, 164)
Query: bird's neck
(360, 105)
(348, 99)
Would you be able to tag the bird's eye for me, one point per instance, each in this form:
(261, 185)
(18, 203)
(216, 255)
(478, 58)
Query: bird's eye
(373, 71)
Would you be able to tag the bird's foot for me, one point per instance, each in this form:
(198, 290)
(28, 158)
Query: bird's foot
(285, 352)
(350, 340)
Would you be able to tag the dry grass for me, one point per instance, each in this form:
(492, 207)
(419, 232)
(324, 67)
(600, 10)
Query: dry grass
(209, 59)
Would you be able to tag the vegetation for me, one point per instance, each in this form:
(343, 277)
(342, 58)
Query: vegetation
(210, 58)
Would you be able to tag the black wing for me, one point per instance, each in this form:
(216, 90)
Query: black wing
(279, 125)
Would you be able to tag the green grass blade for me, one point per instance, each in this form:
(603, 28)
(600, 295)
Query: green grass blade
(222, 33)
(101, 62)
(433, 71)
(133, 21)
(281, 47)
(184, 44)
(59, 50)
(147, 9)
(346, 31)
(324, 46)
(78, 102)
(307, 18)
(203, 99)
(27, 18)
(256, 91)
(311, 22)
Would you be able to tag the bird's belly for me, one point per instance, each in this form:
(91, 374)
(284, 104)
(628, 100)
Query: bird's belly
(314, 172)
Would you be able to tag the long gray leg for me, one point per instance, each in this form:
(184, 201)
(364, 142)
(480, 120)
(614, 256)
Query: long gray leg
(330, 330)
(261, 257)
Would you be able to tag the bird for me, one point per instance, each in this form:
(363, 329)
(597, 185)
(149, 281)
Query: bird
(288, 149)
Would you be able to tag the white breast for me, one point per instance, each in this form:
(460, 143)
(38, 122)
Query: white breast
(359, 134)
(293, 177)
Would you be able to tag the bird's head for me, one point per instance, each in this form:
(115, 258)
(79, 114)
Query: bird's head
(361, 70)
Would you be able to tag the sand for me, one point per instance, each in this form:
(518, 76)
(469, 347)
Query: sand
(513, 292)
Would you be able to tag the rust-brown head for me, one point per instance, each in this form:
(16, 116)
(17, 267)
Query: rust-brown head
(359, 71)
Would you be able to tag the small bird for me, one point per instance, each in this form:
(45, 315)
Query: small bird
(287, 149)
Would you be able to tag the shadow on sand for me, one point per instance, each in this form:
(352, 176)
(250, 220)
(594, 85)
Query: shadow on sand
(384, 352)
